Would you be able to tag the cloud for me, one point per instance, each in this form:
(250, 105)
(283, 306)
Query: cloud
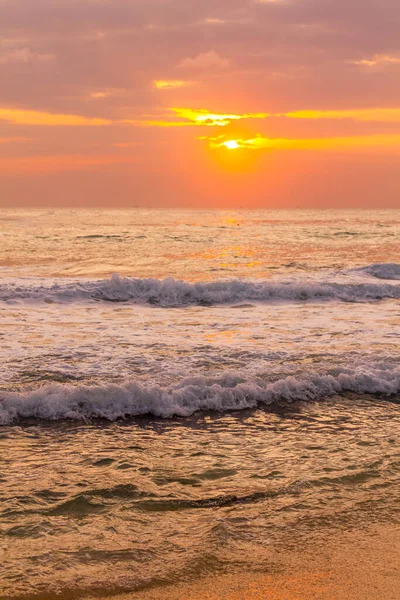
(205, 117)
(197, 117)
(210, 21)
(24, 56)
(171, 84)
(260, 142)
(32, 117)
(40, 165)
(280, 50)
(384, 115)
(100, 95)
(206, 60)
(379, 60)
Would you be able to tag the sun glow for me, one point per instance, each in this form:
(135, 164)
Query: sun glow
(207, 118)
(198, 118)
(231, 144)
(259, 142)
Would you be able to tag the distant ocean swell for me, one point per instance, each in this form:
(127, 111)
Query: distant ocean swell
(224, 393)
(171, 292)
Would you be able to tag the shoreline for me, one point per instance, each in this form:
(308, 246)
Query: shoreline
(349, 565)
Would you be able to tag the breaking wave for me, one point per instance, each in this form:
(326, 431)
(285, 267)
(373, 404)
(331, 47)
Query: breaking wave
(381, 271)
(172, 292)
(224, 393)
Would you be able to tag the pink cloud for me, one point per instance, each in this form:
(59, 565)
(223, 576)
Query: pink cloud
(205, 60)
(100, 59)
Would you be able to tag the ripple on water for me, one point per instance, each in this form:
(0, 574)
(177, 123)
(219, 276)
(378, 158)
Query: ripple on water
(211, 490)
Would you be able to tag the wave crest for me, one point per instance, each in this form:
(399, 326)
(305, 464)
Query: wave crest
(172, 292)
(389, 271)
(228, 392)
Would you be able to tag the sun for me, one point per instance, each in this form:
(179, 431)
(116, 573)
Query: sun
(231, 145)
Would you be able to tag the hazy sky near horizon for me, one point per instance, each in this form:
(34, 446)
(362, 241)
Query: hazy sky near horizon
(236, 103)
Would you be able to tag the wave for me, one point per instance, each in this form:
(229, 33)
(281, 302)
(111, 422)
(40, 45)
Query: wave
(389, 271)
(171, 292)
(227, 392)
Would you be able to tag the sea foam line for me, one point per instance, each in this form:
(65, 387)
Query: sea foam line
(228, 392)
(172, 292)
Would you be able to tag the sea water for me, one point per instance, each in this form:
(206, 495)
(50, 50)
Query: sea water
(184, 392)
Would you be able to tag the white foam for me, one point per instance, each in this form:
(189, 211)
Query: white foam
(228, 392)
(172, 292)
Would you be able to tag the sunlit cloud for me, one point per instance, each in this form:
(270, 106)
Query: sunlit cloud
(387, 115)
(32, 117)
(205, 117)
(201, 117)
(39, 165)
(171, 84)
(100, 95)
(146, 78)
(378, 60)
(234, 20)
(206, 60)
(213, 22)
(260, 142)
(210, 138)
(104, 93)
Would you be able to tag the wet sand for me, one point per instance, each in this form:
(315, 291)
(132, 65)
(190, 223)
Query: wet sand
(352, 566)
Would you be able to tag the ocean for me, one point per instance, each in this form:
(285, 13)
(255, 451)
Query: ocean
(184, 393)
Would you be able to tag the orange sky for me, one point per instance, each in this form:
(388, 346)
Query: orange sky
(236, 103)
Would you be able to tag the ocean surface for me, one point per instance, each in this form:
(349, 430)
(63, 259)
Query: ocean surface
(184, 393)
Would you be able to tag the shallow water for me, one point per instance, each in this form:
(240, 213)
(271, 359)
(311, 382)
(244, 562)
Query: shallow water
(272, 336)
(130, 505)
